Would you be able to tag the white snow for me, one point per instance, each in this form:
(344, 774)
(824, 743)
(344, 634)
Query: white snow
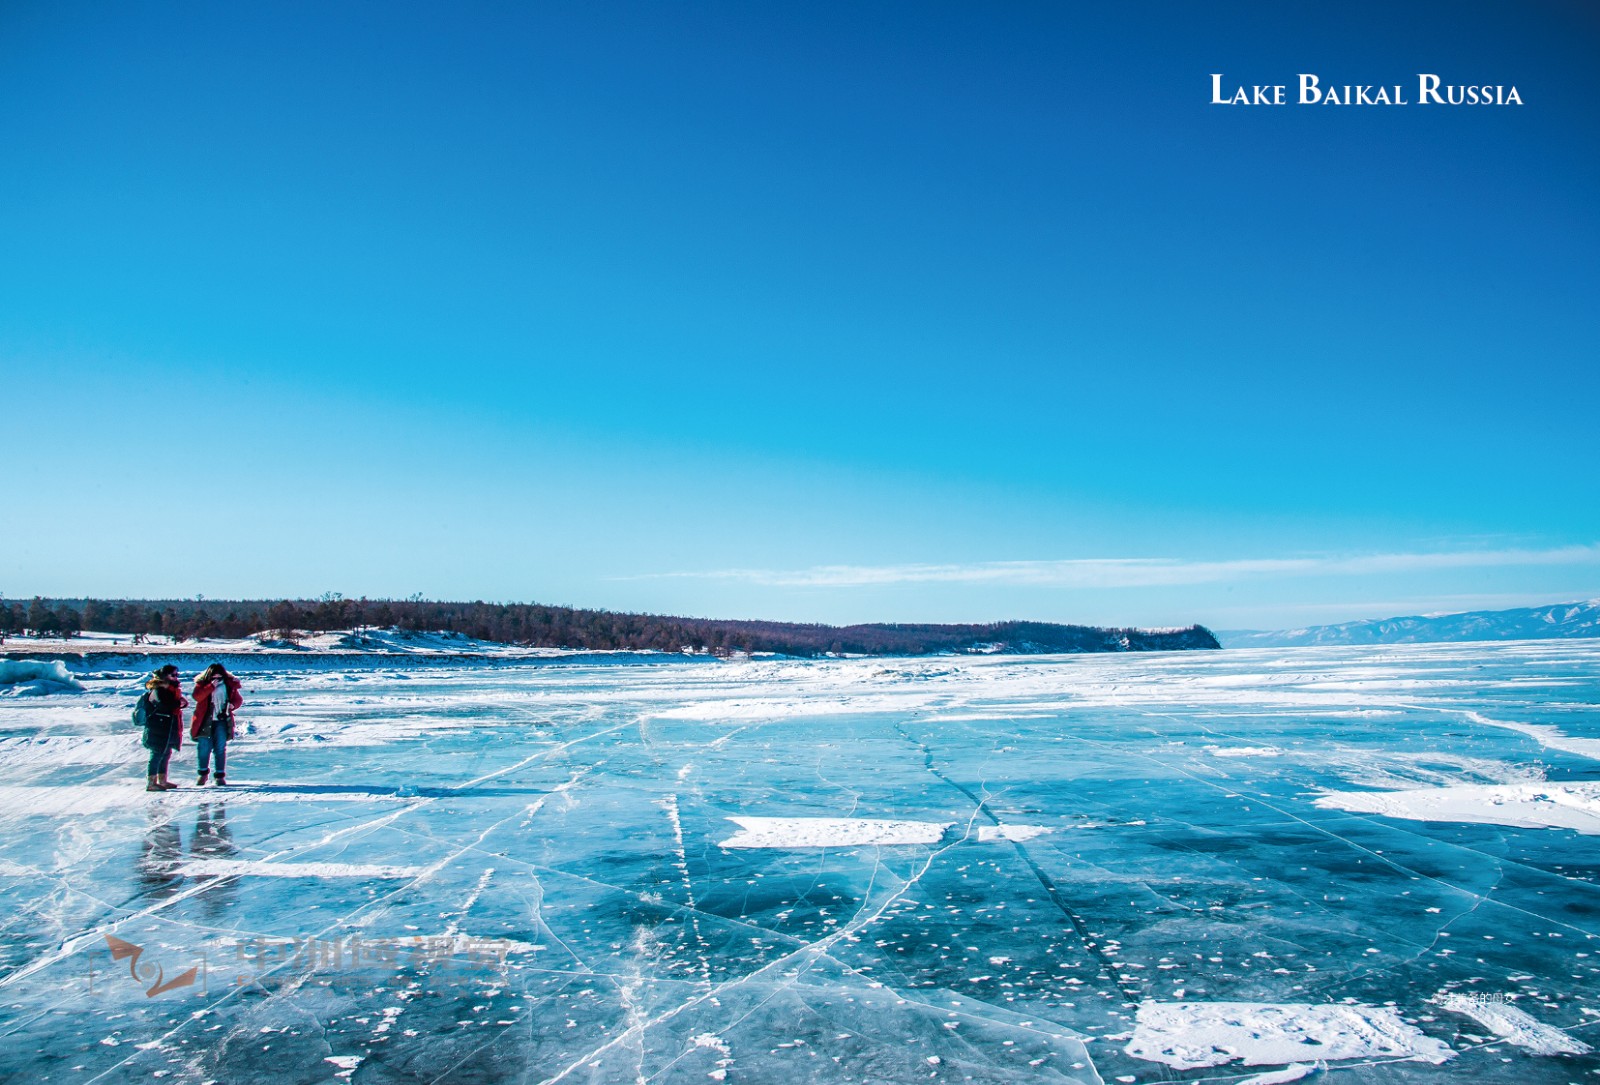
(1189, 1035)
(739, 709)
(1015, 833)
(1552, 738)
(1517, 1026)
(1243, 751)
(763, 832)
(1527, 805)
(346, 1063)
(1292, 1072)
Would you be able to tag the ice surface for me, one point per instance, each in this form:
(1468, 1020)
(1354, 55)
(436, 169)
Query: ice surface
(516, 871)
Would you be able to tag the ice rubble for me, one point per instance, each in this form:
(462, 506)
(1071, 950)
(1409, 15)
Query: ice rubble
(35, 678)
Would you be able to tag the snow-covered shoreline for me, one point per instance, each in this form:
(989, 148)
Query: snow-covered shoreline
(349, 642)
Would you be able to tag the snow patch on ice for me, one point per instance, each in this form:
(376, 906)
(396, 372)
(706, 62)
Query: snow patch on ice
(1551, 738)
(1243, 751)
(757, 832)
(1528, 806)
(764, 709)
(1189, 1035)
(347, 1064)
(1292, 1072)
(1015, 833)
(1517, 1026)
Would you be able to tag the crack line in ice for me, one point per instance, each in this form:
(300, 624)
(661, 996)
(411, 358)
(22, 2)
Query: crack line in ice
(72, 945)
(980, 808)
(681, 859)
(540, 755)
(813, 950)
(1314, 826)
(348, 919)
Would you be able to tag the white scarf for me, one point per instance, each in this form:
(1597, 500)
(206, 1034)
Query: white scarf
(219, 698)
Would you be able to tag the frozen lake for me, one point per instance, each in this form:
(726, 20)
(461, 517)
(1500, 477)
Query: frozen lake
(1223, 866)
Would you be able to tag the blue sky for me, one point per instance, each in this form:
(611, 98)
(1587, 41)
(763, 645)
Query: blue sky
(823, 312)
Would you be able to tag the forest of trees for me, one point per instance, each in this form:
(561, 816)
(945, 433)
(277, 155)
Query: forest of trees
(560, 627)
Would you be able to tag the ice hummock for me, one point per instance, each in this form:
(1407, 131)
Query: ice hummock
(36, 678)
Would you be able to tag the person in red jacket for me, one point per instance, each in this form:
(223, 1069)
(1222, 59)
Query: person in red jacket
(216, 695)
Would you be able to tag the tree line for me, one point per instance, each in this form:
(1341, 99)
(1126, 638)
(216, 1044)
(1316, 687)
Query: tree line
(536, 625)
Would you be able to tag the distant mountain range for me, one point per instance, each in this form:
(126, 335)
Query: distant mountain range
(1557, 621)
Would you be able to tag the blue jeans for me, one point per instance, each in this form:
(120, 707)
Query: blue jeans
(161, 737)
(217, 741)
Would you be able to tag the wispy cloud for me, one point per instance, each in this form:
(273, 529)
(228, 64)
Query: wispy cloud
(1138, 572)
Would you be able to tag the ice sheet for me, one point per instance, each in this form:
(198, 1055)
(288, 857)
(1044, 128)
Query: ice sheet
(512, 871)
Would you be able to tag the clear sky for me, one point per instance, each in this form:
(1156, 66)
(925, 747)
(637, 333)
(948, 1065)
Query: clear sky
(812, 311)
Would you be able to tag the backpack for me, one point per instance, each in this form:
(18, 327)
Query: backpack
(141, 711)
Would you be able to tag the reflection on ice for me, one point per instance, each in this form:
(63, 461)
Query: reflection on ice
(1091, 869)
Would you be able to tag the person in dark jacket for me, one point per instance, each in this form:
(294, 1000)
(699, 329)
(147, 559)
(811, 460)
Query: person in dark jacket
(163, 725)
(216, 695)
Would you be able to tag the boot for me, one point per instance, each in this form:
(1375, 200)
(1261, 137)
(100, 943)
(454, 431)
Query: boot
(166, 784)
(151, 784)
(201, 782)
(222, 781)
